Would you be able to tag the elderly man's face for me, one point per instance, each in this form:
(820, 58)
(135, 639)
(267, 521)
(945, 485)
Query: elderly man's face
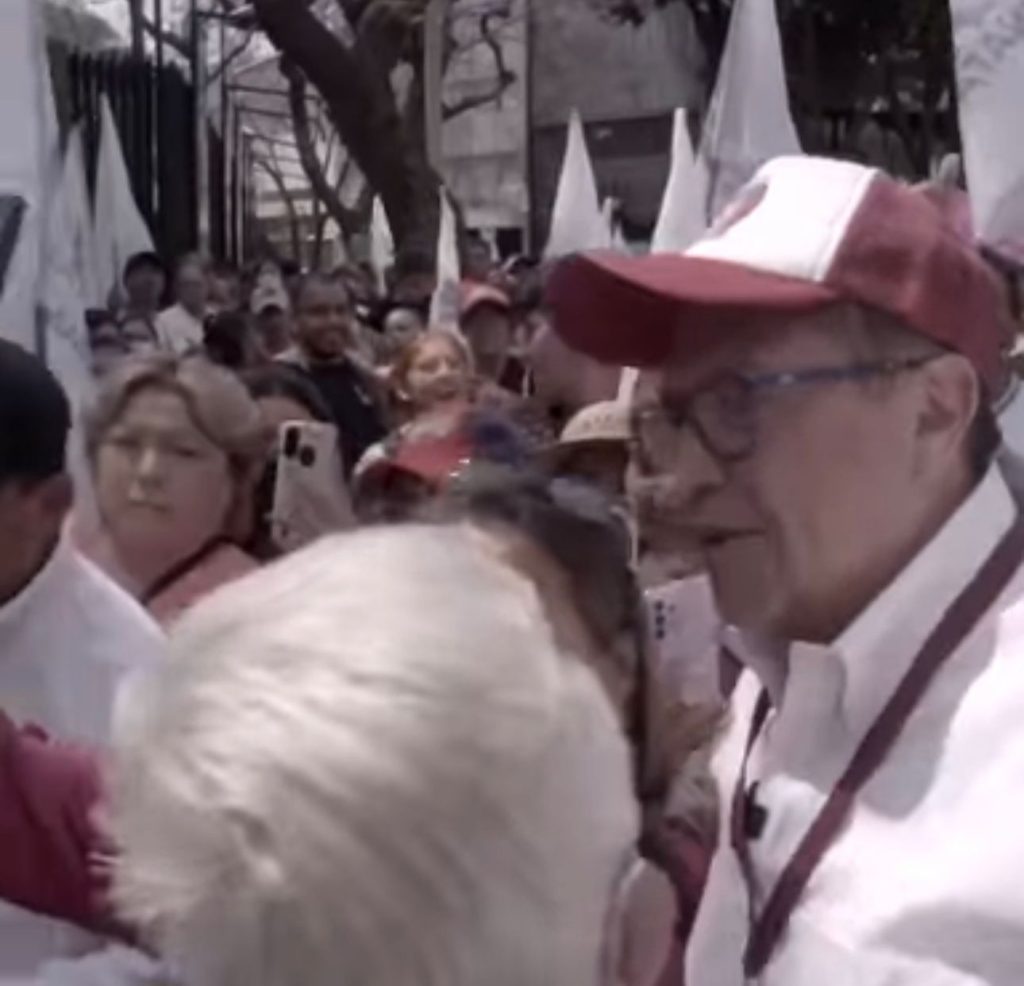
(797, 533)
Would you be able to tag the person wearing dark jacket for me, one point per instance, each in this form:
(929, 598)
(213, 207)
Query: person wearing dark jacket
(324, 338)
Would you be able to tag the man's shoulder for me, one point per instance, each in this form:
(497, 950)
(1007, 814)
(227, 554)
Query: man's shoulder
(293, 357)
(115, 626)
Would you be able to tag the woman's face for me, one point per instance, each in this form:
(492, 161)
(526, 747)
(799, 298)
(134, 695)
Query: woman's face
(437, 375)
(164, 489)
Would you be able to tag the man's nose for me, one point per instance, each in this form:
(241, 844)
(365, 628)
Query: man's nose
(692, 474)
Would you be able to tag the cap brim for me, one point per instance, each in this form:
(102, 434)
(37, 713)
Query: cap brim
(627, 310)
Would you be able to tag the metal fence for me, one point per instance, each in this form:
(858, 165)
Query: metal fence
(154, 110)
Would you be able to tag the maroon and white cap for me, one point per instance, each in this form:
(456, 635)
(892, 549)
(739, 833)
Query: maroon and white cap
(804, 233)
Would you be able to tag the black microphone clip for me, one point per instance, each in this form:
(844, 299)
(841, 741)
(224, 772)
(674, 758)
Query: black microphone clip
(755, 816)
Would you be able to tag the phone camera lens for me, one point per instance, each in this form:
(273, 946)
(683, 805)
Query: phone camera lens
(307, 456)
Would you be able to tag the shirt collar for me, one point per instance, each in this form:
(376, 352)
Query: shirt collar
(896, 624)
(14, 610)
(899, 621)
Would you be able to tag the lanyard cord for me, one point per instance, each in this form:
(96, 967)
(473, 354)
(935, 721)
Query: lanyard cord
(959, 620)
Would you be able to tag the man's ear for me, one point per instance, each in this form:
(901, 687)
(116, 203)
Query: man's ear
(952, 395)
(56, 496)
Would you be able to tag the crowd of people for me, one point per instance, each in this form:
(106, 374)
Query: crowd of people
(657, 623)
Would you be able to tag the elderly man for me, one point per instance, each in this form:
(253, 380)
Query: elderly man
(821, 430)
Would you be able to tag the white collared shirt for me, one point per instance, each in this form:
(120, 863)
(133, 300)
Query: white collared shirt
(924, 887)
(67, 641)
(178, 330)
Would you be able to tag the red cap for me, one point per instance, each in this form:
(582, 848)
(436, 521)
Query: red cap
(475, 295)
(805, 233)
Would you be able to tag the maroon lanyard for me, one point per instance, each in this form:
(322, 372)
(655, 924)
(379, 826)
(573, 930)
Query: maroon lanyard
(959, 620)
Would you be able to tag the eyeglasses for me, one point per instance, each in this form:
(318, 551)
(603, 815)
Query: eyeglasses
(724, 414)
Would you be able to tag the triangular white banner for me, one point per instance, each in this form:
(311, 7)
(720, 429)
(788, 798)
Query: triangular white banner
(119, 231)
(577, 220)
(749, 121)
(681, 221)
(43, 307)
(80, 229)
(444, 306)
(23, 116)
(382, 243)
(989, 38)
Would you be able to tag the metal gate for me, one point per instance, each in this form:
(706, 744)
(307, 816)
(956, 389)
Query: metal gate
(154, 110)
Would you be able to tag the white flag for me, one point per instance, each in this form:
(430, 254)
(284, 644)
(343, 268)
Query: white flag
(23, 119)
(989, 38)
(42, 307)
(681, 221)
(444, 306)
(382, 243)
(119, 231)
(62, 306)
(577, 221)
(748, 122)
(79, 214)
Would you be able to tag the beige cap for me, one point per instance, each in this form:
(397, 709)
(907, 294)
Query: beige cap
(607, 421)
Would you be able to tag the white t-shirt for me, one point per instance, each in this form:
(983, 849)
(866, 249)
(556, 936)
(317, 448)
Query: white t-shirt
(178, 330)
(67, 642)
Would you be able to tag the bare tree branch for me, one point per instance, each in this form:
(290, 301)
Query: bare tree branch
(169, 38)
(232, 56)
(504, 78)
(349, 220)
(362, 105)
(273, 171)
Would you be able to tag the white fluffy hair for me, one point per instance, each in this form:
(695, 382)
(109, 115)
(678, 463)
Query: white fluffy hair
(370, 765)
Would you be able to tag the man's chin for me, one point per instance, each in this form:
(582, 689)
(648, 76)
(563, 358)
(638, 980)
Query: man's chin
(743, 603)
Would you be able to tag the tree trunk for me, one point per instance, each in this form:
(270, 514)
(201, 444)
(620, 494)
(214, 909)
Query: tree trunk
(362, 106)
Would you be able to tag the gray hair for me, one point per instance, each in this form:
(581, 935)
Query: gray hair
(587, 536)
(355, 770)
(874, 334)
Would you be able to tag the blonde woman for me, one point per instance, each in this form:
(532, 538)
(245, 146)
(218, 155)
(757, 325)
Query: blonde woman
(176, 446)
(432, 381)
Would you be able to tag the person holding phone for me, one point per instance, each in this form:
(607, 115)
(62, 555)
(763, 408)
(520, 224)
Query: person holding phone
(324, 353)
(301, 494)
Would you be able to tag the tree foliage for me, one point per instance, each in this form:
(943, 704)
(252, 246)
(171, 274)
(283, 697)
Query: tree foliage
(886, 61)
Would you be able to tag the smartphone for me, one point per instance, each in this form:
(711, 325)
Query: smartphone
(684, 626)
(310, 495)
